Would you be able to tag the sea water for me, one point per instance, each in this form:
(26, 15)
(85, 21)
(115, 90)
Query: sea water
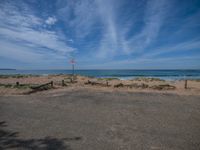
(121, 74)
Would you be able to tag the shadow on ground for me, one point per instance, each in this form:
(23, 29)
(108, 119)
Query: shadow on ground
(10, 140)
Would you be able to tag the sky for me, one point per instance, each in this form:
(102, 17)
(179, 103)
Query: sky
(100, 34)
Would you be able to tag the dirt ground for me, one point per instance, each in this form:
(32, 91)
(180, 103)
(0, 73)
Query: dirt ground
(96, 120)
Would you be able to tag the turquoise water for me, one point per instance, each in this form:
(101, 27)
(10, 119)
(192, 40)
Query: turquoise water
(122, 74)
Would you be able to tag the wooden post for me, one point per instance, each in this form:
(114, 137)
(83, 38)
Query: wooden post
(185, 84)
(73, 63)
(63, 83)
(107, 83)
(51, 83)
(73, 72)
(17, 83)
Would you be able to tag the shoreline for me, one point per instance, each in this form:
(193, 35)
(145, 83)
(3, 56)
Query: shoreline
(123, 74)
(125, 77)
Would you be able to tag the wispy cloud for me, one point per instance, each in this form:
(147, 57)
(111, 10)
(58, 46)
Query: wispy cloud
(23, 32)
(80, 16)
(17, 52)
(157, 57)
(114, 37)
(108, 43)
(178, 47)
(105, 31)
(150, 63)
(155, 12)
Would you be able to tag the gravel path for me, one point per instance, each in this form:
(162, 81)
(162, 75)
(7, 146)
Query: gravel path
(100, 121)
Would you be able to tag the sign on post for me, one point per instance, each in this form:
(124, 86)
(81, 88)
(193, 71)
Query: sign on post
(72, 61)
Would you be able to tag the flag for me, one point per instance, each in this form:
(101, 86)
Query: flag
(72, 61)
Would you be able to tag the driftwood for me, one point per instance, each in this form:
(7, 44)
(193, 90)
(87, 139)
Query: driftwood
(135, 85)
(43, 86)
(119, 85)
(40, 87)
(144, 86)
(97, 83)
(71, 80)
(163, 87)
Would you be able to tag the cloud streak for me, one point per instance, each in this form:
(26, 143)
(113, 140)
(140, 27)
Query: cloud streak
(24, 32)
(155, 12)
(80, 16)
(114, 39)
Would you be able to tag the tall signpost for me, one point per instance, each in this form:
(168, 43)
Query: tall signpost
(73, 63)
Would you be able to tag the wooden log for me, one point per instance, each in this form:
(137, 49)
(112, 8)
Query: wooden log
(135, 85)
(119, 85)
(97, 83)
(163, 87)
(43, 85)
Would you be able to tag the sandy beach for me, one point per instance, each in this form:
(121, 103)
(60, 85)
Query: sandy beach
(152, 85)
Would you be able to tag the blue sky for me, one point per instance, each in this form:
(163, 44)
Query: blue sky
(100, 34)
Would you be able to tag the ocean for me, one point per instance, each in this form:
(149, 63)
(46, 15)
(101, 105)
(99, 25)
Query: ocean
(121, 74)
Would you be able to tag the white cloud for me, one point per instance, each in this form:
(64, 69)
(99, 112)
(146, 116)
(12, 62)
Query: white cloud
(155, 13)
(109, 41)
(150, 63)
(22, 34)
(95, 26)
(51, 21)
(178, 47)
(44, 38)
(114, 39)
(84, 16)
(89, 17)
(18, 52)
(71, 40)
(156, 58)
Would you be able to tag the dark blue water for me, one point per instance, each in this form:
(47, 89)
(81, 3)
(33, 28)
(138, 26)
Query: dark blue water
(122, 74)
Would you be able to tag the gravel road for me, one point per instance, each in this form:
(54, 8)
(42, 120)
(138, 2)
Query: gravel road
(86, 120)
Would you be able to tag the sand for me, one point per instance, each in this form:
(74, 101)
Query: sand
(136, 85)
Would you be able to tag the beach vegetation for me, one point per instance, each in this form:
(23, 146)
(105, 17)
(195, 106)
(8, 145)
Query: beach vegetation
(146, 79)
(20, 86)
(18, 76)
